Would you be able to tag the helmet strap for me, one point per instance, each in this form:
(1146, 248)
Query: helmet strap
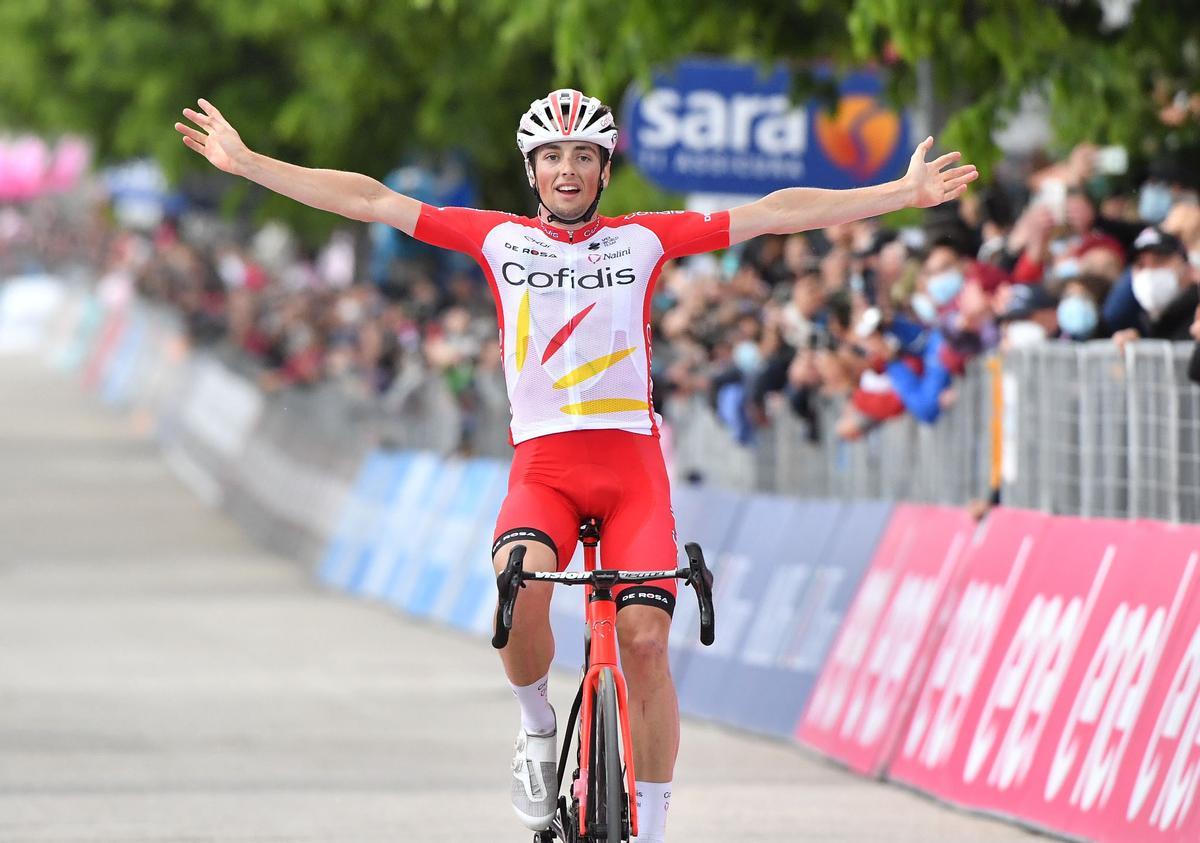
(550, 216)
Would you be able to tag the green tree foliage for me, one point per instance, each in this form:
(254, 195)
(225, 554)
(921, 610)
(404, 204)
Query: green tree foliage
(364, 84)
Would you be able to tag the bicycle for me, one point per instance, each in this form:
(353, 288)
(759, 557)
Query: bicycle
(599, 810)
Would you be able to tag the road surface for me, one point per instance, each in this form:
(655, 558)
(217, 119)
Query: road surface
(164, 679)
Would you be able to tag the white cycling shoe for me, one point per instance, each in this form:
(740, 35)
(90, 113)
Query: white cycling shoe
(535, 779)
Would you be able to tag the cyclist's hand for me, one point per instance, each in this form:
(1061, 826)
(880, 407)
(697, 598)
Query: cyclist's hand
(930, 181)
(216, 140)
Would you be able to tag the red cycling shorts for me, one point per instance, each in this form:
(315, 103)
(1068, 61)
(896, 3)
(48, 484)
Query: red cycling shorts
(619, 477)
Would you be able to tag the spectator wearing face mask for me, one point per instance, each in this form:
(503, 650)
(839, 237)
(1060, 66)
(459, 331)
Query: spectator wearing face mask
(1079, 308)
(941, 282)
(1163, 285)
(1027, 315)
(1170, 182)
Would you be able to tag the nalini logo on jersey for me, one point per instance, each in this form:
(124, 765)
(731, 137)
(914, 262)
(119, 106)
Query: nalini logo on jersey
(602, 276)
(860, 135)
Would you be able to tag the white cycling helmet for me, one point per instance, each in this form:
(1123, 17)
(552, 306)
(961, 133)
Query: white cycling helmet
(566, 114)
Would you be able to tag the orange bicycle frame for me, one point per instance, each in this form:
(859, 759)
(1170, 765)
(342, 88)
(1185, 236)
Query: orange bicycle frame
(602, 653)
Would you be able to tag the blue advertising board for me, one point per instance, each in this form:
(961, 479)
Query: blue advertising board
(757, 693)
(448, 544)
(709, 517)
(742, 575)
(352, 540)
(811, 584)
(470, 604)
(719, 126)
(417, 531)
(401, 513)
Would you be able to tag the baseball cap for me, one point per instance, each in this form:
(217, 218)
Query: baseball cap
(1154, 239)
(1025, 300)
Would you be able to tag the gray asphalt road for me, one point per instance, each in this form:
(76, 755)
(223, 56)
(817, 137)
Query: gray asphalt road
(162, 679)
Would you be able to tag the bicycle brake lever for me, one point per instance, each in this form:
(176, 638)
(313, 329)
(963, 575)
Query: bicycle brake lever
(701, 579)
(508, 585)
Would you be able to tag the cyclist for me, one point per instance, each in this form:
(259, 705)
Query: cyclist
(572, 291)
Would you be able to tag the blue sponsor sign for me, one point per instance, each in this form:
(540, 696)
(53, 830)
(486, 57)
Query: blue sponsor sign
(380, 474)
(808, 592)
(448, 546)
(403, 514)
(472, 601)
(742, 575)
(759, 694)
(708, 517)
(718, 126)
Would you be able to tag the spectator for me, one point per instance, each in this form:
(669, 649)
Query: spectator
(1027, 314)
(1163, 285)
(1078, 313)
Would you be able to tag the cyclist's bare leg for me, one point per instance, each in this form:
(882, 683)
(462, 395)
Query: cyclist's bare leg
(653, 706)
(531, 644)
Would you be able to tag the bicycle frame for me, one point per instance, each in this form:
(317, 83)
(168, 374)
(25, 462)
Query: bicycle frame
(601, 612)
(602, 653)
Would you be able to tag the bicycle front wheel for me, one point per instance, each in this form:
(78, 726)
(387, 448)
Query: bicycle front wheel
(607, 799)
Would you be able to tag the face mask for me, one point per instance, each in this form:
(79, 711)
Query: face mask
(746, 356)
(1154, 288)
(944, 286)
(1194, 258)
(1077, 316)
(1024, 334)
(1066, 269)
(924, 307)
(1154, 202)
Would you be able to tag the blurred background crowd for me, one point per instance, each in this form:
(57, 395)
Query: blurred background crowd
(881, 320)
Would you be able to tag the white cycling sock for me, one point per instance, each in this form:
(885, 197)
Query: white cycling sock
(653, 801)
(537, 717)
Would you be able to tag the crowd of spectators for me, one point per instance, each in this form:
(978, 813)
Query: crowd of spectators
(879, 322)
(885, 322)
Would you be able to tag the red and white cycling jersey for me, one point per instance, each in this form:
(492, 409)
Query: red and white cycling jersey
(574, 307)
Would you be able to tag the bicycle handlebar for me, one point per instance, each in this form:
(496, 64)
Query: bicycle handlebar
(512, 579)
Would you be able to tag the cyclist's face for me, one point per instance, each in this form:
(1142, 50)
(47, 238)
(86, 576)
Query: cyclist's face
(568, 176)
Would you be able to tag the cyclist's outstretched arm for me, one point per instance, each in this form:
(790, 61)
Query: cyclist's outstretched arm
(351, 195)
(927, 183)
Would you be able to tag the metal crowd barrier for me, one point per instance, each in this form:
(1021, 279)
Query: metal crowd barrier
(1072, 429)
(1097, 433)
(948, 462)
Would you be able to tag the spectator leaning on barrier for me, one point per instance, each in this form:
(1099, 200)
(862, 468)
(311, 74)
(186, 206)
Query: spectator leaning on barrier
(1027, 315)
(1165, 287)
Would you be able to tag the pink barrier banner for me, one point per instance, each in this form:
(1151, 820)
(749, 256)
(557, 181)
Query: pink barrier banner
(862, 700)
(1066, 690)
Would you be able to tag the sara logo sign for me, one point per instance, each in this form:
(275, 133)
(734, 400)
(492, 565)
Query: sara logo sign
(709, 125)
